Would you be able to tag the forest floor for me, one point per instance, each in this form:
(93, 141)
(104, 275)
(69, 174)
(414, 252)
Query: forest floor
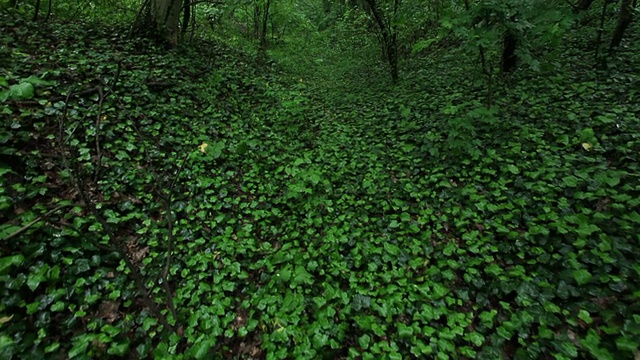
(318, 214)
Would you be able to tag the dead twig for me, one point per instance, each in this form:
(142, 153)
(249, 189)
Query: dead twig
(36, 220)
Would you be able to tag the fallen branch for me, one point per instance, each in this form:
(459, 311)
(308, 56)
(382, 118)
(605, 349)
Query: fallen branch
(35, 221)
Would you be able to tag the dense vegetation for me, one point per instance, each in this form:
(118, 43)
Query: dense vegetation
(276, 179)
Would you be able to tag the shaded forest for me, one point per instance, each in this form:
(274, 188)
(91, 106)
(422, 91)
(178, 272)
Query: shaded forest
(320, 179)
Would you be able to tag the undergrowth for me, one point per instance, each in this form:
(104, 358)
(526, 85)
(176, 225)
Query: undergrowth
(195, 204)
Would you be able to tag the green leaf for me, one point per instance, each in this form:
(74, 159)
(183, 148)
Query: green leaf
(568, 348)
(404, 330)
(37, 81)
(51, 348)
(487, 317)
(364, 341)
(582, 276)
(301, 276)
(585, 316)
(22, 91)
(476, 338)
(119, 349)
(320, 339)
(58, 306)
(493, 269)
(215, 149)
(439, 290)
(80, 346)
(513, 169)
(625, 344)
(241, 148)
(446, 345)
(423, 44)
(8, 261)
(200, 350)
(314, 178)
(34, 279)
(570, 181)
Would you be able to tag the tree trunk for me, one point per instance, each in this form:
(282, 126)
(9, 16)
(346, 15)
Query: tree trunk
(159, 20)
(624, 19)
(601, 63)
(509, 58)
(583, 5)
(392, 54)
(389, 34)
(256, 19)
(265, 19)
(48, 11)
(36, 10)
(186, 15)
(166, 16)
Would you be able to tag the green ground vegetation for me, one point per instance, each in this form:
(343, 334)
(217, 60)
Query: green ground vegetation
(231, 199)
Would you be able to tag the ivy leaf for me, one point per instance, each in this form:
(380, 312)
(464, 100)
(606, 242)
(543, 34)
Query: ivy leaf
(404, 330)
(320, 339)
(364, 341)
(200, 350)
(7, 261)
(22, 91)
(301, 276)
(215, 148)
(625, 344)
(568, 349)
(475, 338)
(439, 291)
(119, 349)
(37, 81)
(80, 346)
(570, 181)
(314, 177)
(585, 316)
(582, 276)
(34, 279)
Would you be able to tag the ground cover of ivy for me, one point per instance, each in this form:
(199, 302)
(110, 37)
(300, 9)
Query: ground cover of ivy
(377, 223)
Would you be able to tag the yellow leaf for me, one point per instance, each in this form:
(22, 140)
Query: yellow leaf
(587, 146)
(5, 319)
(203, 148)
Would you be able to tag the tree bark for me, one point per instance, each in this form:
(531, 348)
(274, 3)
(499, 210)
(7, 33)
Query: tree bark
(159, 20)
(165, 14)
(265, 19)
(389, 33)
(186, 15)
(625, 16)
(509, 58)
(583, 5)
(36, 10)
